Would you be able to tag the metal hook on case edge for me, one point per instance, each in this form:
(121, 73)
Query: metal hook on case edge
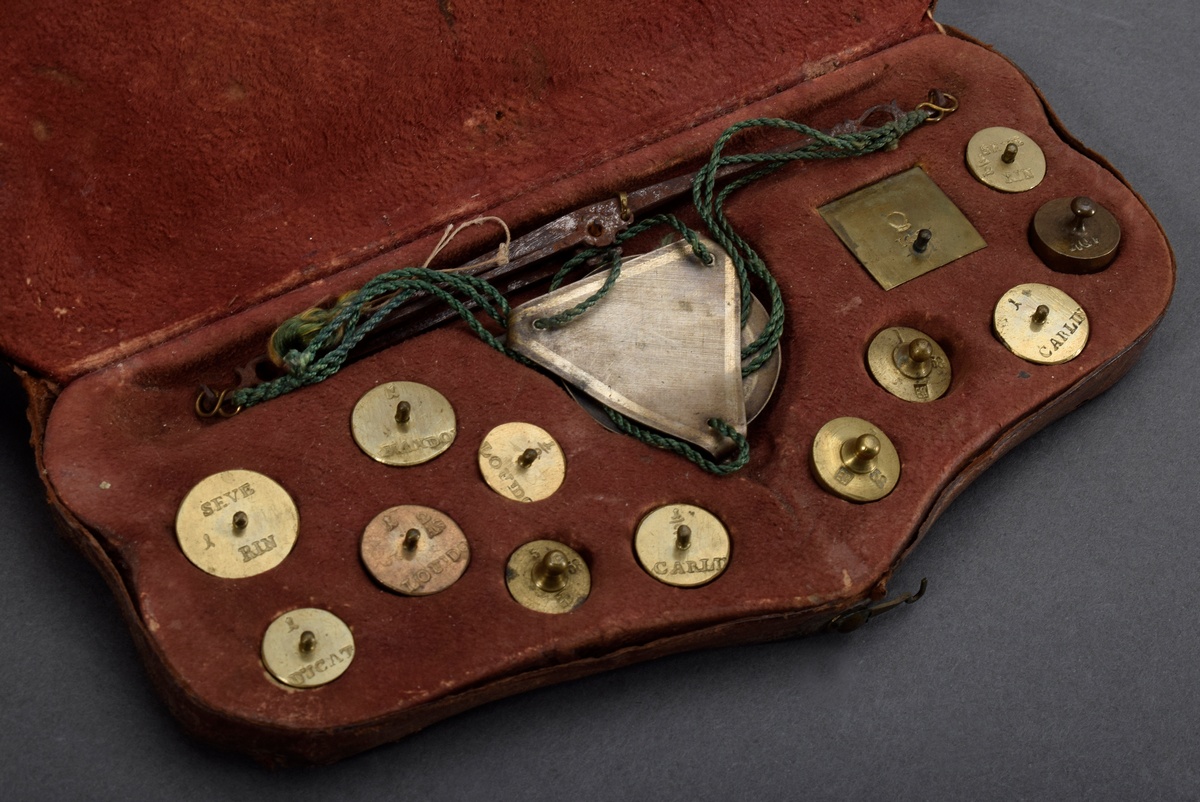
(848, 622)
(939, 105)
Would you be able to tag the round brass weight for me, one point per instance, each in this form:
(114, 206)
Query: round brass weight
(682, 545)
(548, 577)
(1005, 159)
(236, 524)
(1075, 235)
(522, 462)
(416, 551)
(307, 647)
(403, 423)
(853, 459)
(909, 364)
(1041, 324)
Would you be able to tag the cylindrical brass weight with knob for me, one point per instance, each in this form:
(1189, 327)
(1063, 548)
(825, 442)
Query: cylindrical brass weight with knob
(548, 577)
(1075, 235)
(909, 364)
(854, 459)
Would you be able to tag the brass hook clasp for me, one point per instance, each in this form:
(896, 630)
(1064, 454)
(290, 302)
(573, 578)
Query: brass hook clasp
(623, 207)
(939, 105)
(848, 622)
(210, 404)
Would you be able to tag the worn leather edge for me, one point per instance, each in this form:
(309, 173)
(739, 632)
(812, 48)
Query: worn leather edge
(1112, 371)
(283, 747)
(1087, 388)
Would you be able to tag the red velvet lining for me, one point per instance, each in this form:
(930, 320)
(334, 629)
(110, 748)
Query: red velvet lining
(122, 447)
(163, 168)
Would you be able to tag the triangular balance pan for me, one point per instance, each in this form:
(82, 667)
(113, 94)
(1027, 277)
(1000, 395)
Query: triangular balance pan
(663, 347)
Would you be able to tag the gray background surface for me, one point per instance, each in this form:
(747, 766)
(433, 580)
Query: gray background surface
(1053, 655)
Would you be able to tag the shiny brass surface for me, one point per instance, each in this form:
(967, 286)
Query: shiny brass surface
(909, 364)
(1041, 324)
(548, 577)
(682, 545)
(663, 347)
(307, 647)
(236, 524)
(403, 423)
(413, 550)
(902, 227)
(522, 462)
(1075, 235)
(853, 459)
(1006, 159)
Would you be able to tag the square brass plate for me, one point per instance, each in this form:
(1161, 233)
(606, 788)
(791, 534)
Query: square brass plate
(879, 224)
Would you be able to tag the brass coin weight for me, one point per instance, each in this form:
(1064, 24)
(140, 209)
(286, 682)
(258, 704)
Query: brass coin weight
(307, 647)
(682, 545)
(909, 364)
(548, 577)
(403, 423)
(236, 524)
(522, 462)
(853, 459)
(1006, 159)
(1075, 235)
(416, 551)
(1041, 324)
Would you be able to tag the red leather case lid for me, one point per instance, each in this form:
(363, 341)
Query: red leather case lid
(162, 167)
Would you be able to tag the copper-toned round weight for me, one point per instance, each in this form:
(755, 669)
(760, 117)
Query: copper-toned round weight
(403, 423)
(236, 524)
(522, 462)
(1075, 235)
(415, 550)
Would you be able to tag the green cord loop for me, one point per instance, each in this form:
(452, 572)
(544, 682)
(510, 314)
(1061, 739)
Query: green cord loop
(315, 344)
(613, 254)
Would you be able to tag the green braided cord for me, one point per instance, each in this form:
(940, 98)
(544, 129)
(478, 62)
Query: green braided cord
(712, 209)
(328, 335)
(684, 449)
(567, 315)
(328, 350)
(613, 254)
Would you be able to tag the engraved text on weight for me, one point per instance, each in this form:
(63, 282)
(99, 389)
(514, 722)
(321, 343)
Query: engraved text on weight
(320, 666)
(401, 447)
(225, 499)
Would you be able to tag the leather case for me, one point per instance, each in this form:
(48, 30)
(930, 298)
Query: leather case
(178, 181)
